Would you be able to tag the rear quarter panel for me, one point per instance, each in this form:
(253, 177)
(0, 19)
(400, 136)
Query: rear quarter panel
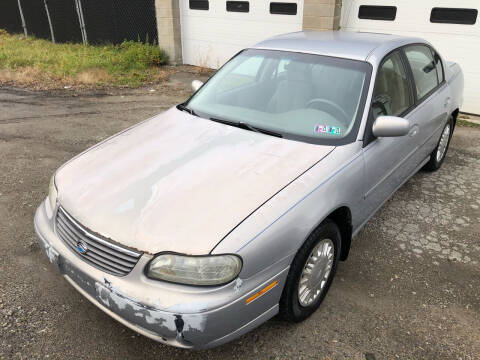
(455, 81)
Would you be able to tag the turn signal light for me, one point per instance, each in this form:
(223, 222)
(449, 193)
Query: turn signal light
(261, 292)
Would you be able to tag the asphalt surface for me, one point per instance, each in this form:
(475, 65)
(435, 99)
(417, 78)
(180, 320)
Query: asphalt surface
(409, 290)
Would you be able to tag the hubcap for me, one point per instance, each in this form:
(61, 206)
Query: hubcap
(442, 145)
(315, 272)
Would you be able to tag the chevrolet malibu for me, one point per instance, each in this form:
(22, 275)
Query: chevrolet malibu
(201, 223)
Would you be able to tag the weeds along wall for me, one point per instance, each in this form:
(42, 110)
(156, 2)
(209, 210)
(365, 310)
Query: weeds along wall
(88, 21)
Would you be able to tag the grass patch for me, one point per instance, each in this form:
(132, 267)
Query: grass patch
(29, 60)
(467, 121)
(463, 122)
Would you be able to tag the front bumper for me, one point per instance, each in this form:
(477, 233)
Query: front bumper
(178, 315)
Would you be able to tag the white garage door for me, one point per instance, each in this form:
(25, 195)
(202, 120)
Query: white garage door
(211, 34)
(450, 25)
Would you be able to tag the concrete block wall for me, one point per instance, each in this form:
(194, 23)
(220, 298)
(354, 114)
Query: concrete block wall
(321, 14)
(169, 31)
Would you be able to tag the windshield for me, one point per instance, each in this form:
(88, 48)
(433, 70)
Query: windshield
(306, 97)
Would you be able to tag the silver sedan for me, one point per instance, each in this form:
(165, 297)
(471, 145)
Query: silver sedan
(199, 224)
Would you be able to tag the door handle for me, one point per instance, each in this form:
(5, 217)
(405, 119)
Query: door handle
(447, 101)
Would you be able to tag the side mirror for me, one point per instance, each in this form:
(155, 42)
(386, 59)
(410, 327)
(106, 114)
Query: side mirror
(196, 84)
(390, 126)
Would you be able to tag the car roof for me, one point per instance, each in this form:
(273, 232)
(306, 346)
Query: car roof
(344, 44)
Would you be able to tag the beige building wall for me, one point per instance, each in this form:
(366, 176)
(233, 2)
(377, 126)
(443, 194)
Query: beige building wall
(321, 14)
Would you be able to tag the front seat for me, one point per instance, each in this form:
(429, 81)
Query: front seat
(295, 91)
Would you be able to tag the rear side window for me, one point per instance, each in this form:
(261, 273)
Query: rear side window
(454, 16)
(283, 8)
(424, 69)
(372, 12)
(391, 95)
(439, 66)
(198, 4)
(238, 6)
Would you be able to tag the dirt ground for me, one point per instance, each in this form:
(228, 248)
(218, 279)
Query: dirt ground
(410, 289)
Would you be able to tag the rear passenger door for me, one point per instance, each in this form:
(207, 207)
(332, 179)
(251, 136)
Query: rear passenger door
(432, 96)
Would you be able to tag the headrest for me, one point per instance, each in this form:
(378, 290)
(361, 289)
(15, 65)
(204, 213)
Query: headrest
(297, 70)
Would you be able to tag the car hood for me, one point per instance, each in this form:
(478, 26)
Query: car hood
(177, 182)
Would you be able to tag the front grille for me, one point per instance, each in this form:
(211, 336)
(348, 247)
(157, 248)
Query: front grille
(98, 252)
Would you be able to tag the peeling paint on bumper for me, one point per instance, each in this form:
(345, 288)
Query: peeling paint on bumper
(175, 315)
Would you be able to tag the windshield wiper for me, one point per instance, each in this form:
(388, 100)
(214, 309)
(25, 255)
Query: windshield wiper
(240, 124)
(246, 126)
(183, 107)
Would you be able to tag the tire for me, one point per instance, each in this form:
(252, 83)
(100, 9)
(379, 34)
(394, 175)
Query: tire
(293, 307)
(436, 159)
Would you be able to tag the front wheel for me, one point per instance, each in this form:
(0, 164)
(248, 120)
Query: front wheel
(438, 154)
(311, 273)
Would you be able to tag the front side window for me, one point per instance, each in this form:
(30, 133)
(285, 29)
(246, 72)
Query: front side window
(244, 74)
(307, 97)
(391, 95)
(424, 69)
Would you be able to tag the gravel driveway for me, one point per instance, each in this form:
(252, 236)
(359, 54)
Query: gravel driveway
(410, 289)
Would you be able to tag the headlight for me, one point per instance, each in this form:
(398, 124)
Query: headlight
(194, 270)
(52, 193)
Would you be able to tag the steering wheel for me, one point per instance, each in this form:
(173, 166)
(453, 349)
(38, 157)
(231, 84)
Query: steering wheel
(331, 108)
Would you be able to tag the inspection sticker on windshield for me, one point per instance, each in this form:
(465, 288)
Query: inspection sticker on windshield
(325, 129)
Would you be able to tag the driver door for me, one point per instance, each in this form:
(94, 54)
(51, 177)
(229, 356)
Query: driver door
(389, 161)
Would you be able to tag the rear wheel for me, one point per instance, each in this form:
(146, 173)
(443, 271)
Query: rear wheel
(438, 155)
(311, 273)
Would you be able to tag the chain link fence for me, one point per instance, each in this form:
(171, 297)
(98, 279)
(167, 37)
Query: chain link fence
(65, 23)
(10, 19)
(87, 21)
(35, 17)
(118, 20)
